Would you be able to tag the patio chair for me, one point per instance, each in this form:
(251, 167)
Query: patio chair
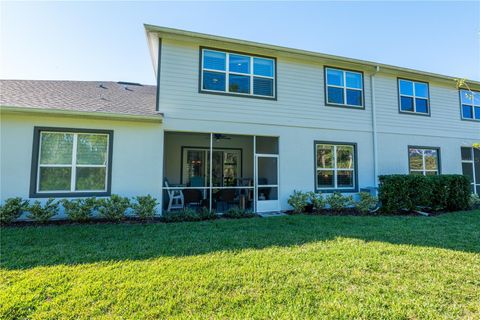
(175, 198)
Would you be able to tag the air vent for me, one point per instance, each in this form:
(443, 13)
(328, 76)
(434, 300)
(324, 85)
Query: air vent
(130, 83)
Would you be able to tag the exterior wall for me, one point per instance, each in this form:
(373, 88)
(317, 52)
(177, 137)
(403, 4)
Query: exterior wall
(300, 94)
(393, 149)
(299, 115)
(296, 150)
(137, 153)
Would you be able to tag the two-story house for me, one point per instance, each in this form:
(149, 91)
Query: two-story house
(239, 123)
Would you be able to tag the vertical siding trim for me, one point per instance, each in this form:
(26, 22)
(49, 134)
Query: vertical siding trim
(159, 65)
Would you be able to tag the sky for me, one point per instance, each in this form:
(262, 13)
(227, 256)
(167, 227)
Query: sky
(105, 41)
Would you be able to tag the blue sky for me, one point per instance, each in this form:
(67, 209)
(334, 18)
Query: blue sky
(106, 40)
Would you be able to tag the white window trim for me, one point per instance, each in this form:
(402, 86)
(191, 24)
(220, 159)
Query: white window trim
(227, 74)
(72, 165)
(473, 105)
(414, 97)
(335, 168)
(424, 164)
(344, 87)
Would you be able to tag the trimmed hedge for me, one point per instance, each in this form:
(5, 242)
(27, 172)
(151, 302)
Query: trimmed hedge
(402, 192)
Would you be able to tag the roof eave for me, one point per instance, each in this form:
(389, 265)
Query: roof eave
(164, 30)
(158, 118)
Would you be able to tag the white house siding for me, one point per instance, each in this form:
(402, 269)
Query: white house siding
(300, 94)
(136, 161)
(299, 115)
(296, 149)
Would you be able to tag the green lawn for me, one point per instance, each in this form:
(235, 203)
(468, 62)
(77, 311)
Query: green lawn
(284, 267)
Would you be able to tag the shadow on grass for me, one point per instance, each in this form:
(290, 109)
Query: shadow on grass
(27, 247)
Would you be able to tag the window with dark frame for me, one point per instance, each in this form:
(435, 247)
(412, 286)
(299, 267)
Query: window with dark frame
(335, 166)
(71, 162)
(238, 74)
(343, 87)
(471, 166)
(413, 96)
(470, 103)
(423, 160)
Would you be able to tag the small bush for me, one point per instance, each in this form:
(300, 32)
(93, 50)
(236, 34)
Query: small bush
(80, 209)
(12, 209)
(338, 201)
(206, 214)
(145, 206)
(366, 202)
(43, 213)
(474, 201)
(298, 201)
(238, 213)
(186, 214)
(113, 208)
(409, 192)
(317, 200)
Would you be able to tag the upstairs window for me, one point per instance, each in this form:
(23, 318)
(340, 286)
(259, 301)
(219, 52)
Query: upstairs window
(239, 74)
(470, 101)
(71, 162)
(344, 88)
(413, 97)
(424, 160)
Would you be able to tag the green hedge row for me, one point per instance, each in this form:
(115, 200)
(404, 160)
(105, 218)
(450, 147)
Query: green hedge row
(409, 192)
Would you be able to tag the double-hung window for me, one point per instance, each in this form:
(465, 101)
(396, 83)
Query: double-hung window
(471, 166)
(470, 101)
(71, 162)
(343, 87)
(413, 97)
(423, 160)
(335, 166)
(239, 74)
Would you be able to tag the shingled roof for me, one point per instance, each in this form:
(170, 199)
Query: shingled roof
(121, 98)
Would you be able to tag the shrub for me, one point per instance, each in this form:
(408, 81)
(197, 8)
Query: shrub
(144, 207)
(366, 202)
(338, 201)
(43, 213)
(408, 192)
(80, 209)
(474, 201)
(12, 209)
(298, 201)
(113, 208)
(317, 201)
(186, 214)
(206, 214)
(238, 213)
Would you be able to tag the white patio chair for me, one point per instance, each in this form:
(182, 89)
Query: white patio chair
(175, 198)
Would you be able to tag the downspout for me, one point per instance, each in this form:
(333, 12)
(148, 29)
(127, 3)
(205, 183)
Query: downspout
(374, 129)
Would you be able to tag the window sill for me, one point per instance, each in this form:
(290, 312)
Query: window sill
(345, 106)
(415, 113)
(220, 93)
(70, 194)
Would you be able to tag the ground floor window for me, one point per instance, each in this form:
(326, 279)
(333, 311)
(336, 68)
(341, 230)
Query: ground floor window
(71, 162)
(335, 166)
(471, 166)
(424, 160)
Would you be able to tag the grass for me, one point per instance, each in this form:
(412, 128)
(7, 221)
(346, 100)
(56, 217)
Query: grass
(285, 267)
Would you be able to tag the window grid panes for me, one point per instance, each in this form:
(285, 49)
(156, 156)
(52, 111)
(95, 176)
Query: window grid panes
(72, 162)
(471, 167)
(344, 88)
(335, 166)
(470, 103)
(423, 161)
(414, 96)
(237, 74)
